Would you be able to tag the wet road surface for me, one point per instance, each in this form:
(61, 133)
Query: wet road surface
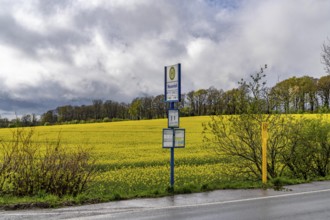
(306, 201)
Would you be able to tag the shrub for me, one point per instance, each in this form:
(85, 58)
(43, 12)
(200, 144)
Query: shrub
(106, 119)
(308, 151)
(297, 147)
(239, 138)
(28, 168)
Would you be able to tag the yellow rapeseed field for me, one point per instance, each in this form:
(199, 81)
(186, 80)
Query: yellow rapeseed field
(131, 157)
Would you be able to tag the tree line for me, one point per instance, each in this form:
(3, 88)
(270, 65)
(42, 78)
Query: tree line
(294, 95)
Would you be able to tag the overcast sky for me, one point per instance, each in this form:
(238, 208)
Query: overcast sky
(57, 52)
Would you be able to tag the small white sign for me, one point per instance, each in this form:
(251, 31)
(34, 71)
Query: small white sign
(173, 118)
(179, 138)
(168, 138)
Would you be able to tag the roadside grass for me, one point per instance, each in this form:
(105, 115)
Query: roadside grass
(94, 195)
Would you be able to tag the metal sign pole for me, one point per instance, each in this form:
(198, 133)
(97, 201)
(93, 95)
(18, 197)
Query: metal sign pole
(172, 153)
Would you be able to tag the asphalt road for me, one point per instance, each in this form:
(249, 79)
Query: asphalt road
(306, 201)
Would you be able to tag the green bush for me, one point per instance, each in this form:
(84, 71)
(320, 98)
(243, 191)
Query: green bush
(298, 147)
(106, 119)
(28, 168)
(308, 152)
(239, 139)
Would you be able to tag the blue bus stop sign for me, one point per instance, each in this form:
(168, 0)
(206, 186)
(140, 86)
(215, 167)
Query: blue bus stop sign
(173, 83)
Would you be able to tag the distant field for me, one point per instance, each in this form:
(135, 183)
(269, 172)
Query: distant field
(131, 157)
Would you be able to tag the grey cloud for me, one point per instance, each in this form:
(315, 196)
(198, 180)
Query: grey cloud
(48, 7)
(124, 25)
(15, 35)
(49, 94)
(29, 42)
(121, 51)
(8, 103)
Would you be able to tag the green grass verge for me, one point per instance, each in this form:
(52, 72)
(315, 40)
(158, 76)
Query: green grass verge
(93, 195)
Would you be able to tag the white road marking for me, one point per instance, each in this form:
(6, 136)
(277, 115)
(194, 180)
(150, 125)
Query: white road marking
(245, 200)
(239, 200)
(110, 215)
(102, 213)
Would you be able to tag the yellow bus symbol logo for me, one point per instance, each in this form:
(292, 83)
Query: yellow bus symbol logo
(172, 73)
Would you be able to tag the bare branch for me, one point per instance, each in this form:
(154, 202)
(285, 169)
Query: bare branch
(325, 56)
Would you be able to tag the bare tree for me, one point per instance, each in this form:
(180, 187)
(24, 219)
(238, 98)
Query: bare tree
(323, 86)
(239, 137)
(325, 56)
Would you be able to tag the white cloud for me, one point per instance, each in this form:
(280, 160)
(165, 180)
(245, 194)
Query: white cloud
(287, 34)
(69, 50)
